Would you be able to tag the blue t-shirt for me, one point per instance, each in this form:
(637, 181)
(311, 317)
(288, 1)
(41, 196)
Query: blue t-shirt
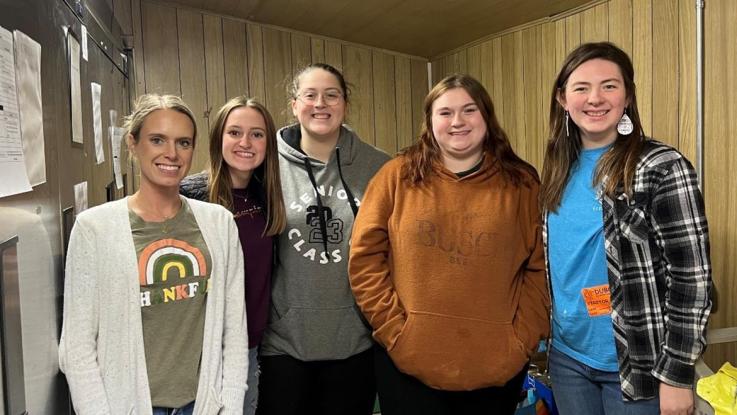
(577, 262)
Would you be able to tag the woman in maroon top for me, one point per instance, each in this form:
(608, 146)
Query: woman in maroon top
(244, 177)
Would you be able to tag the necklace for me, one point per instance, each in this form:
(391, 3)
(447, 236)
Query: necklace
(241, 193)
(167, 219)
(250, 211)
(165, 224)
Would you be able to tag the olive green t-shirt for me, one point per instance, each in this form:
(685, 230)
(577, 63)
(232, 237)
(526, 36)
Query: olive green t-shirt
(174, 267)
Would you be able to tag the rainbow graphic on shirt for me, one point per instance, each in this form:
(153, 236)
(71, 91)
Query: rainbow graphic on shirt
(164, 264)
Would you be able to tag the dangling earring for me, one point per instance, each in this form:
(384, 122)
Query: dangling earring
(625, 126)
(567, 132)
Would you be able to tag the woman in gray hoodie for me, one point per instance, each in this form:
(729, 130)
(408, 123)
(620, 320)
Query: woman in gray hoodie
(316, 349)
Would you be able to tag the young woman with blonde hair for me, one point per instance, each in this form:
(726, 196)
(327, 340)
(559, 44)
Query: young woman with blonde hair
(154, 319)
(244, 177)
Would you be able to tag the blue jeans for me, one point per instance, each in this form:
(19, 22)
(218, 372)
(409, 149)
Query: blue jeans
(185, 410)
(580, 389)
(254, 371)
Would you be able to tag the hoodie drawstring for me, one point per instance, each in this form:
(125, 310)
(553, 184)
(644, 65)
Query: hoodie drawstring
(351, 199)
(320, 208)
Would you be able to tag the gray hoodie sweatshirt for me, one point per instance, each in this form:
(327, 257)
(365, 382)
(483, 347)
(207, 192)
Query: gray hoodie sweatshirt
(313, 313)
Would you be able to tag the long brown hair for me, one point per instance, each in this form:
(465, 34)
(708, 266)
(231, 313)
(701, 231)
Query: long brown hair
(267, 174)
(425, 152)
(617, 166)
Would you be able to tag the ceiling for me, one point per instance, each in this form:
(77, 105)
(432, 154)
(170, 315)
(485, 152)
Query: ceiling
(424, 28)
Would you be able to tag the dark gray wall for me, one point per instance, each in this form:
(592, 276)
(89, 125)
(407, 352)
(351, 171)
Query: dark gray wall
(36, 217)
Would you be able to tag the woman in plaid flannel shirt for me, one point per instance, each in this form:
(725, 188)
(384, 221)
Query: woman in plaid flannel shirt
(627, 248)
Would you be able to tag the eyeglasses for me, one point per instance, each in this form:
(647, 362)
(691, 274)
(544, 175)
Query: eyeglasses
(328, 97)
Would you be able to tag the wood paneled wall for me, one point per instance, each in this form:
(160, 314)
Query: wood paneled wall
(208, 59)
(518, 68)
(720, 157)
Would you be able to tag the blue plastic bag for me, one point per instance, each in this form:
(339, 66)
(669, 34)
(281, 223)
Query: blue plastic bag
(539, 398)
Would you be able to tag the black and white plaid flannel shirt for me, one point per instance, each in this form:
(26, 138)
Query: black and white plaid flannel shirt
(657, 249)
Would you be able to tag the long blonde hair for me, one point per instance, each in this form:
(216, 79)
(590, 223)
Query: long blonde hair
(220, 185)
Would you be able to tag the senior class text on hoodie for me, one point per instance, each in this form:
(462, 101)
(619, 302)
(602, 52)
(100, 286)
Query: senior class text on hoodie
(313, 314)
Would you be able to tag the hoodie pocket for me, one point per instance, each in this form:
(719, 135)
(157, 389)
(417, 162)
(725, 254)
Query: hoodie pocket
(458, 353)
(321, 333)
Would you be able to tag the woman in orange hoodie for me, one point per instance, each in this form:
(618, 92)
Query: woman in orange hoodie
(447, 262)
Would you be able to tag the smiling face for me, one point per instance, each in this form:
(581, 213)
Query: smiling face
(244, 144)
(318, 119)
(595, 98)
(458, 127)
(164, 148)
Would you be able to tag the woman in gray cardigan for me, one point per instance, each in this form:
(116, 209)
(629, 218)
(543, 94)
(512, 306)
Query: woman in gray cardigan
(154, 319)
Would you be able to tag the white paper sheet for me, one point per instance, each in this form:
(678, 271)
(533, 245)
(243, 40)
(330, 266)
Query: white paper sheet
(84, 43)
(115, 134)
(116, 138)
(113, 118)
(97, 122)
(76, 89)
(28, 77)
(12, 166)
(80, 197)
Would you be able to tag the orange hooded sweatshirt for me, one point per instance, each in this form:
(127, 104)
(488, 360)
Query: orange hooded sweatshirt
(451, 275)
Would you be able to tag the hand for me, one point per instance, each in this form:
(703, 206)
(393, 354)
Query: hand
(675, 400)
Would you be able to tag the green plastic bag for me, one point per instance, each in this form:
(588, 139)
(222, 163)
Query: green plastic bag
(720, 390)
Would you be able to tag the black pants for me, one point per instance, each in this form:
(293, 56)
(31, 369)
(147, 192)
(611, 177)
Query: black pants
(401, 394)
(289, 386)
